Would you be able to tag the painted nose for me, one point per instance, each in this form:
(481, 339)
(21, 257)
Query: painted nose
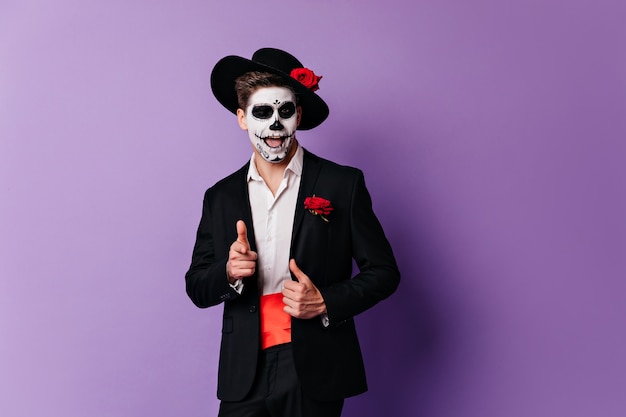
(276, 126)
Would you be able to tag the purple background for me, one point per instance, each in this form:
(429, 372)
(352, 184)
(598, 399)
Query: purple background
(492, 135)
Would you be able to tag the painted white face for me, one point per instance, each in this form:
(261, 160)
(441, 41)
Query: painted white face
(272, 119)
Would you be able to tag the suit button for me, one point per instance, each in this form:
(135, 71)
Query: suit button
(252, 309)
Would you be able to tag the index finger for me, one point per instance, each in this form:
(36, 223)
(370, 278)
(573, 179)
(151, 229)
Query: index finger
(242, 233)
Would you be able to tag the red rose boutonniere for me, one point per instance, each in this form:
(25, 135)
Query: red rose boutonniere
(307, 78)
(318, 206)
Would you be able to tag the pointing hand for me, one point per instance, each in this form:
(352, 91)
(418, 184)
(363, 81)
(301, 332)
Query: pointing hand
(241, 260)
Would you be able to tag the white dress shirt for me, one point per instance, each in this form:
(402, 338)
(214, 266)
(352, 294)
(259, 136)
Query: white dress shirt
(272, 218)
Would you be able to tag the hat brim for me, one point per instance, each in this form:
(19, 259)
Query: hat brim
(226, 71)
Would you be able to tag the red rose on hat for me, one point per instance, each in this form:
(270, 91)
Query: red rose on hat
(307, 78)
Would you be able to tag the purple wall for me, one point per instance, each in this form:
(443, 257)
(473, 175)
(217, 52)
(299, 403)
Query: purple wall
(492, 135)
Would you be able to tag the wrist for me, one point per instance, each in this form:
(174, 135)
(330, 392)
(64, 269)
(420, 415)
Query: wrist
(322, 308)
(231, 280)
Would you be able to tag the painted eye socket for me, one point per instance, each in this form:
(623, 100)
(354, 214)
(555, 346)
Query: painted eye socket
(262, 111)
(287, 110)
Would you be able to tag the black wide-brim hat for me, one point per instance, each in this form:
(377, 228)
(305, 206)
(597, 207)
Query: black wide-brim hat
(275, 61)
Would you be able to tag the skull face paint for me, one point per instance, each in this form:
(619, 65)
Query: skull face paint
(272, 119)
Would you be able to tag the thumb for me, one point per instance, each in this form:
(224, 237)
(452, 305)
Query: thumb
(242, 233)
(301, 276)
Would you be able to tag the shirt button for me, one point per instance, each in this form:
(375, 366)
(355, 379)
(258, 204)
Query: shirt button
(252, 309)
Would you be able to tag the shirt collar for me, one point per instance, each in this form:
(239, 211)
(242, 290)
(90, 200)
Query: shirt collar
(295, 165)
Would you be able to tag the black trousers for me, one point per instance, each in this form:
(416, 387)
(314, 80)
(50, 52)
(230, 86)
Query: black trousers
(276, 391)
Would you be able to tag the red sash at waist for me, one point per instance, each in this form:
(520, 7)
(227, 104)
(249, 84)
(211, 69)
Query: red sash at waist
(275, 323)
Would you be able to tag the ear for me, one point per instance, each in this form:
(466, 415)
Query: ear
(299, 114)
(241, 119)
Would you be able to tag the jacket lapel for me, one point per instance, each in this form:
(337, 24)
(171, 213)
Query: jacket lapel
(243, 200)
(310, 172)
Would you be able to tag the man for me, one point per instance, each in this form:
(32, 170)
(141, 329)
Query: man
(276, 243)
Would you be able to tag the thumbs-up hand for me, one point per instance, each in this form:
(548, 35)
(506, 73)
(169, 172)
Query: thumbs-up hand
(302, 298)
(241, 260)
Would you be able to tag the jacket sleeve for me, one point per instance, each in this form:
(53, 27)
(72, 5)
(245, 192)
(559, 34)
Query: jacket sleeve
(206, 280)
(378, 275)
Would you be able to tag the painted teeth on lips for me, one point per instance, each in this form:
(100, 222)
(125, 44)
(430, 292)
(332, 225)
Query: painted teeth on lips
(278, 137)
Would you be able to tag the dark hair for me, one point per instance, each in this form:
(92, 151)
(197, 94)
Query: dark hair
(249, 82)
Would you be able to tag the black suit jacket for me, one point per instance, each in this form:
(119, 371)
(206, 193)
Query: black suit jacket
(328, 359)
